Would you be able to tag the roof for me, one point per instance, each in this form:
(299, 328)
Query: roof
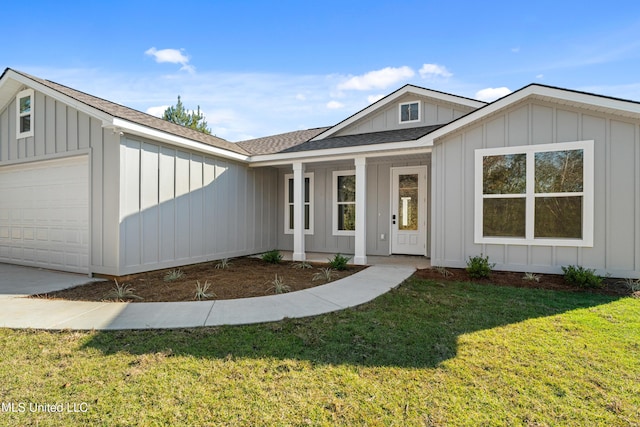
(281, 142)
(371, 138)
(135, 116)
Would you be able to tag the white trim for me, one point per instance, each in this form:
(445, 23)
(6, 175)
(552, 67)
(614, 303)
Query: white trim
(360, 256)
(27, 93)
(393, 97)
(404, 122)
(423, 179)
(530, 195)
(334, 202)
(287, 203)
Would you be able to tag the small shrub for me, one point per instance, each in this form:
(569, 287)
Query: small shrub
(479, 267)
(632, 284)
(338, 262)
(530, 277)
(325, 274)
(582, 277)
(443, 271)
(201, 291)
(122, 292)
(173, 275)
(272, 257)
(223, 264)
(301, 265)
(278, 286)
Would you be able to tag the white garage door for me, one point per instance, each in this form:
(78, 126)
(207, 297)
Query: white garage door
(44, 214)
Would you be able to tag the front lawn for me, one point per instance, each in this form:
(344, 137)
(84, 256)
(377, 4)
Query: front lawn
(425, 354)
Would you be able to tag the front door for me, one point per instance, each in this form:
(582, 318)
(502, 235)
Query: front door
(408, 212)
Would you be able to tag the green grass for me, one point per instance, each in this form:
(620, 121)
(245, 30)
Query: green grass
(424, 354)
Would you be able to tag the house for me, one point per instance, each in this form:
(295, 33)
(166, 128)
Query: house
(541, 178)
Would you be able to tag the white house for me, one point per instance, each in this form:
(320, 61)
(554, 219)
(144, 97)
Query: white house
(541, 178)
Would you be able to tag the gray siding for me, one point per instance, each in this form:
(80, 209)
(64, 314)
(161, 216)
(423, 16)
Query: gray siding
(616, 248)
(378, 208)
(433, 112)
(61, 130)
(179, 207)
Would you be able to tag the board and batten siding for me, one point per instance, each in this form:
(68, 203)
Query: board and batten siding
(378, 207)
(60, 131)
(179, 207)
(616, 248)
(433, 112)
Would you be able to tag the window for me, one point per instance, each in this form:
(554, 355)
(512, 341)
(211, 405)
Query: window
(308, 203)
(24, 114)
(535, 195)
(410, 112)
(344, 203)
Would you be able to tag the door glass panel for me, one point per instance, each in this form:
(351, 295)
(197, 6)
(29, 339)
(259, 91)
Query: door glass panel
(408, 202)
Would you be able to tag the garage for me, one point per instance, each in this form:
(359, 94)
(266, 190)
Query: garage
(44, 214)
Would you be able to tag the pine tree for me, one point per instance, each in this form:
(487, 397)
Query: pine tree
(179, 115)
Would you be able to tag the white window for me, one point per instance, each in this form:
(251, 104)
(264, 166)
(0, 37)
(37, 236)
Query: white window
(535, 195)
(308, 203)
(24, 114)
(344, 203)
(410, 112)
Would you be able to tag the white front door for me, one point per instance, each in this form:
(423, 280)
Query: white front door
(408, 211)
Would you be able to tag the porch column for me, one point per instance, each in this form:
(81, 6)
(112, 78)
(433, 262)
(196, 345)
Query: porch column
(298, 212)
(360, 257)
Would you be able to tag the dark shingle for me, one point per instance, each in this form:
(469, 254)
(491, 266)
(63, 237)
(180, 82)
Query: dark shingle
(279, 143)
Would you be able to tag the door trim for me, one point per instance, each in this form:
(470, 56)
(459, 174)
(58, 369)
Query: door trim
(425, 217)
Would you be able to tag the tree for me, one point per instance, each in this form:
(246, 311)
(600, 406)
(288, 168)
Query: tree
(181, 116)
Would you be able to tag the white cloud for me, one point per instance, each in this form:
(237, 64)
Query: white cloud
(540, 76)
(515, 49)
(379, 79)
(491, 94)
(334, 105)
(301, 97)
(434, 70)
(172, 56)
(374, 98)
(157, 111)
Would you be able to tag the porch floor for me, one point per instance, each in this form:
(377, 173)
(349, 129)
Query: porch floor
(415, 261)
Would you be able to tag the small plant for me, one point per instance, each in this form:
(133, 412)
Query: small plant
(632, 284)
(582, 277)
(338, 262)
(223, 264)
(272, 257)
(201, 291)
(479, 267)
(325, 274)
(443, 271)
(530, 277)
(173, 275)
(278, 286)
(122, 292)
(302, 265)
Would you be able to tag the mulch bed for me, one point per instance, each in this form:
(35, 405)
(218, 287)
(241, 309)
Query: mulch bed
(554, 282)
(244, 278)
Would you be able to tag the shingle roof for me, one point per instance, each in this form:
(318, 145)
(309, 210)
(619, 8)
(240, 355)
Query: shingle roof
(371, 138)
(281, 142)
(129, 114)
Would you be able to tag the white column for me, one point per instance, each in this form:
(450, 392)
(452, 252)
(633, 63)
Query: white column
(360, 257)
(298, 212)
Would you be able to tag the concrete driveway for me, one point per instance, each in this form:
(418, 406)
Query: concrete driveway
(16, 280)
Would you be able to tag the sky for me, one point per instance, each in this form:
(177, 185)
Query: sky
(259, 68)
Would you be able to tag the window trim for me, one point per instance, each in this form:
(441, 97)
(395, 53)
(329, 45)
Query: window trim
(24, 94)
(337, 174)
(530, 150)
(402, 122)
(288, 203)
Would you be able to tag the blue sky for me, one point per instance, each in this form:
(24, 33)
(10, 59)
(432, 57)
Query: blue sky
(258, 68)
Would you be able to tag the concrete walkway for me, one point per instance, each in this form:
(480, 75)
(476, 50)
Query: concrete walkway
(17, 311)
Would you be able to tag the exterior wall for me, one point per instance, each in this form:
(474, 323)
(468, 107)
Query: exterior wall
(616, 248)
(433, 112)
(59, 131)
(378, 207)
(179, 207)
